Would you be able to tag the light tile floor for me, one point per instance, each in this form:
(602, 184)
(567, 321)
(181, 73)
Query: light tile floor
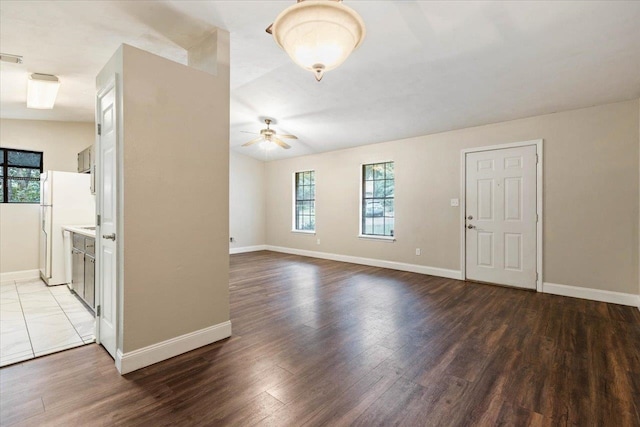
(36, 319)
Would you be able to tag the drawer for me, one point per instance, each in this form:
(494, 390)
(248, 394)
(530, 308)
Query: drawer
(78, 241)
(89, 246)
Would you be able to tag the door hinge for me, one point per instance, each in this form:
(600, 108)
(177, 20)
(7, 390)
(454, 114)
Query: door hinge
(537, 218)
(99, 129)
(537, 158)
(536, 276)
(98, 311)
(98, 220)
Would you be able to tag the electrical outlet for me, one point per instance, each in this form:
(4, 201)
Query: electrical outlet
(232, 239)
(418, 251)
(455, 202)
(318, 241)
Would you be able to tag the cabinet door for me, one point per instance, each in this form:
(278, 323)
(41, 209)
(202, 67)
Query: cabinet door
(93, 179)
(78, 242)
(86, 161)
(89, 280)
(78, 272)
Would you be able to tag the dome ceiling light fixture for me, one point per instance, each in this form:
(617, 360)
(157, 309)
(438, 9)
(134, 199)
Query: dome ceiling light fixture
(318, 35)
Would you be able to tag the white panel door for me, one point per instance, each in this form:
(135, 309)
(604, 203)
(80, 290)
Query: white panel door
(501, 216)
(107, 209)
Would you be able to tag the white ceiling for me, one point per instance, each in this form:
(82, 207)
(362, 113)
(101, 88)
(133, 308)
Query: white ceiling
(424, 67)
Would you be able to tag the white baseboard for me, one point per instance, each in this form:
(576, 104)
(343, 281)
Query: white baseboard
(414, 268)
(592, 294)
(20, 275)
(245, 249)
(137, 359)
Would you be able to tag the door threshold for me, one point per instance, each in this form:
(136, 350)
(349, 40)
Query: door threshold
(500, 285)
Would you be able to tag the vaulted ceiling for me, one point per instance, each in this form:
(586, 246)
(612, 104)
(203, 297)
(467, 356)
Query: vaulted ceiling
(424, 67)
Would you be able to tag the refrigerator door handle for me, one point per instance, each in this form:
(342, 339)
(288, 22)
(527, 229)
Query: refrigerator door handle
(42, 215)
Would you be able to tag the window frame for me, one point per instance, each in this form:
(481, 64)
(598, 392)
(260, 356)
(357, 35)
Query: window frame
(361, 204)
(294, 216)
(5, 172)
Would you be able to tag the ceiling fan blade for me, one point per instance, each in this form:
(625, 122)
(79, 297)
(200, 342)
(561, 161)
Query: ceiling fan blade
(246, 131)
(281, 143)
(288, 136)
(253, 141)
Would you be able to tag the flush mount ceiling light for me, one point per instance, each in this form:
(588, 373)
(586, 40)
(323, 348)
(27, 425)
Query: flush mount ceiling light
(12, 59)
(42, 90)
(318, 35)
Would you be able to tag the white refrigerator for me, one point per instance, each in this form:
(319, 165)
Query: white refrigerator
(65, 199)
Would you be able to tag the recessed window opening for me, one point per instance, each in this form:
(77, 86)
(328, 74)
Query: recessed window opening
(378, 190)
(20, 176)
(305, 199)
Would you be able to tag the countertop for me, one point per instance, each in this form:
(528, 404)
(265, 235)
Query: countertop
(80, 229)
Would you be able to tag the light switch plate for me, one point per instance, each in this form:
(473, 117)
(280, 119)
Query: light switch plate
(455, 202)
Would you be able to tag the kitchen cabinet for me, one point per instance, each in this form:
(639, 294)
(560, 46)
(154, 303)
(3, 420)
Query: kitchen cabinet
(85, 160)
(77, 265)
(77, 277)
(89, 280)
(86, 164)
(89, 270)
(83, 268)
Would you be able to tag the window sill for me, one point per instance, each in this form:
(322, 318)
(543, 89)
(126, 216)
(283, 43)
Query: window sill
(385, 238)
(304, 231)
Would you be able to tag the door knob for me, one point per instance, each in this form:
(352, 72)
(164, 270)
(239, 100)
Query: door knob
(470, 226)
(470, 217)
(111, 236)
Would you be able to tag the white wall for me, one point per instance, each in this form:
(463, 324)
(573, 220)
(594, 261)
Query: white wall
(246, 201)
(60, 142)
(591, 196)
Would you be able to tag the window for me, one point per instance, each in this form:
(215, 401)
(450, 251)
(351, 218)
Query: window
(305, 208)
(377, 199)
(20, 176)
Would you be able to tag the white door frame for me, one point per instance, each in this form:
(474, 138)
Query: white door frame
(463, 202)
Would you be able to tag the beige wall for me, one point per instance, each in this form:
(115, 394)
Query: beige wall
(176, 197)
(591, 192)
(246, 201)
(60, 142)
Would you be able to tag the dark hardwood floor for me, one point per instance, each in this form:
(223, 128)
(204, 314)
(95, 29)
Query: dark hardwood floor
(318, 342)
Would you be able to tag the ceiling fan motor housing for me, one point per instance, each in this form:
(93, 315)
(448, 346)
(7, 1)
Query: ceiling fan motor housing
(269, 135)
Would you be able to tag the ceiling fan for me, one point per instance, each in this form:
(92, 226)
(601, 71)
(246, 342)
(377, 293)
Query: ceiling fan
(269, 135)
